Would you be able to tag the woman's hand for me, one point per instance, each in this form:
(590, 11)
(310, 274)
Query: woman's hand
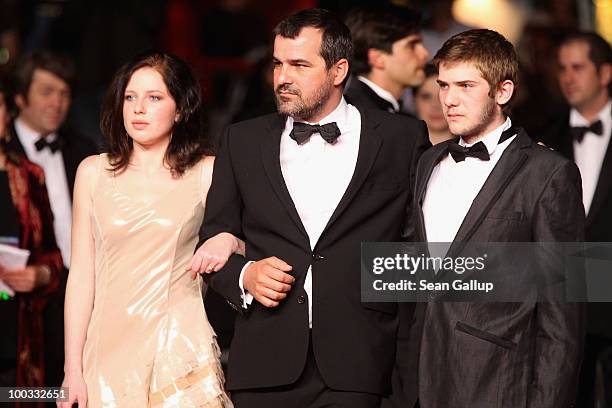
(26, 279)
(77, 390)
(214, 253)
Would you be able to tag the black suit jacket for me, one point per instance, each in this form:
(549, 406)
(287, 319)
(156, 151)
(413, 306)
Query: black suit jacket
(505, 354)
(599, 219)
(354, 343)
(361, 95)
(74, 149)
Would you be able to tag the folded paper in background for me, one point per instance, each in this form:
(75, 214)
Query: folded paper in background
(13, 258)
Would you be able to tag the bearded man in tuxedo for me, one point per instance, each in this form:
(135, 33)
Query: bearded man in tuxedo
(303, 188)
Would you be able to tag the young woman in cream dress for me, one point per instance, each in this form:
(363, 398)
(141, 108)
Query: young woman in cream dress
(137, 334)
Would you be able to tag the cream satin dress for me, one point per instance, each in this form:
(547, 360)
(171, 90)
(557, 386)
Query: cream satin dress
(149, 343)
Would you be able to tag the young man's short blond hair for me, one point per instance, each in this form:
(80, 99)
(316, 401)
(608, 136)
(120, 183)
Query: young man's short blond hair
(492, 54)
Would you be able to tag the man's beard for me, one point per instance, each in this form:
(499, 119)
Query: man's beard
(301, 108)
(485, 118)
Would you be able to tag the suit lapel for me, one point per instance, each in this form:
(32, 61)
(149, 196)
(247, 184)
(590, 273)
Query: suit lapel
(604, 185)
(379, 102)
(14, 144)
(430, 161)
(71, 157)
(511, 161)
(566, 143)
(270, 151)
(69, 169)
(369, 144)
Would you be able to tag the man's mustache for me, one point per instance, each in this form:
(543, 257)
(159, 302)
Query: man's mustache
(288, 89)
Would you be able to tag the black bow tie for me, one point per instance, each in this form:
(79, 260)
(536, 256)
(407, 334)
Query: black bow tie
(478, 150)
(302, 131)
(54, 146)
(579, 131)
(459, 153)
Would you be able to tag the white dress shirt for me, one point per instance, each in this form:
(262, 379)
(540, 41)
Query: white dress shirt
(453, 186)
(56, 181)
(590, 152)
(317, 174)
(384, 94)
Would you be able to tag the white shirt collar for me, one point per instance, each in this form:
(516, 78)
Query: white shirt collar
(386, 95)
(338, 115)
(576, 118)
(491, 139)
(28, 137)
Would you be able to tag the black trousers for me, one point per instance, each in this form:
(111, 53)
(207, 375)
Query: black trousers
(309, 391)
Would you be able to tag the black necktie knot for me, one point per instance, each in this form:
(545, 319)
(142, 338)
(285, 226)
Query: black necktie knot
(54, 145)
(302, 131)
(578, 132)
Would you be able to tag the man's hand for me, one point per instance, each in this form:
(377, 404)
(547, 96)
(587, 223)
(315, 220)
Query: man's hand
(268, 281)
(214, 253)
(26, 279)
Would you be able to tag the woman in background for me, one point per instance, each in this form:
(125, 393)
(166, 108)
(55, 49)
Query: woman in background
(428, 107)
(27, 223)
(136, 330)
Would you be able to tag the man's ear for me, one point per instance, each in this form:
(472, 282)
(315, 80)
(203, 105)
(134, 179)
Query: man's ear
(504, 92)
(376, 58)
(341, 70)
(20, 101)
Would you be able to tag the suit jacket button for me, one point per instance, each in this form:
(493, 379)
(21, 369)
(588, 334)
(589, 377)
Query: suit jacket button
(317, 257)
(301, 299)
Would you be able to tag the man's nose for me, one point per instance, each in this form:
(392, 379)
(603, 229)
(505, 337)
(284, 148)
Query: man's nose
(450, 98)
(425, 55)
(284, 75)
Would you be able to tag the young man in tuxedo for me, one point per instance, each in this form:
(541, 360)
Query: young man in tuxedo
(43, 84)
(389, 56)
(503, 188)
(303, 188)
(583, 135)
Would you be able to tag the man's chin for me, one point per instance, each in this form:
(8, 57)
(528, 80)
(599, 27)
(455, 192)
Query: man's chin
(51, 129)
(459, 131)
(52, 125)
(417, 80)
(284, 110)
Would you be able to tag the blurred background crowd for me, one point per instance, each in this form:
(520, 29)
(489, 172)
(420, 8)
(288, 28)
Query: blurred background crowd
(228, 43)
(80, 44)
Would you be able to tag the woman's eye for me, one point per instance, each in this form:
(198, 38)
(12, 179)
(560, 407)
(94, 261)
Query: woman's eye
(155, 98)
(130, 97)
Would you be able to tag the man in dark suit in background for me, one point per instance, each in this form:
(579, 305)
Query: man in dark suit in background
(494, 185)
(303, 189)
(583, 135)
(43, 85)
(389, 56)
